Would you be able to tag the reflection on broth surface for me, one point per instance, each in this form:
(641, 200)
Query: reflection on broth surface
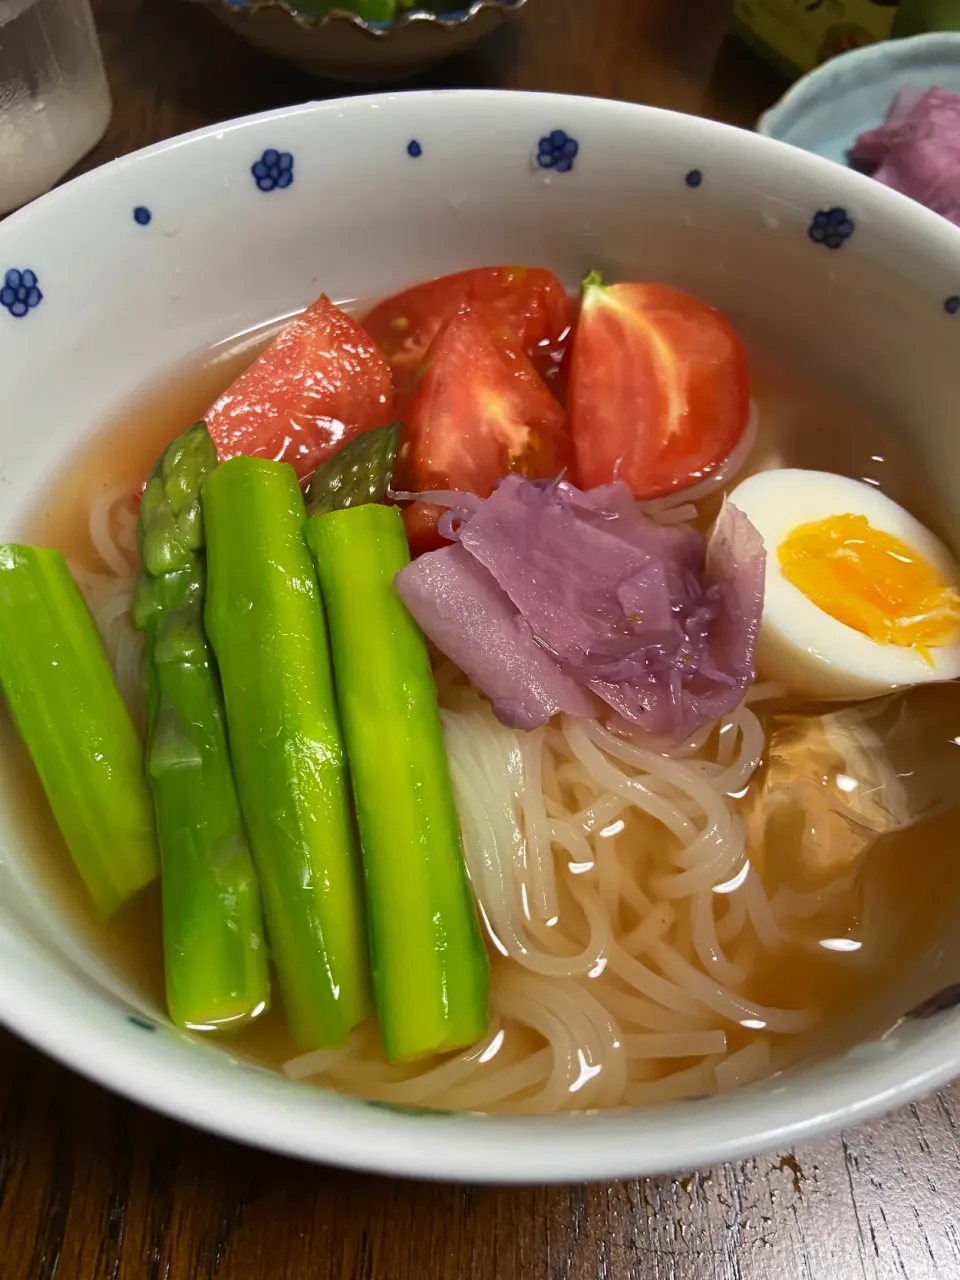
(633, 988)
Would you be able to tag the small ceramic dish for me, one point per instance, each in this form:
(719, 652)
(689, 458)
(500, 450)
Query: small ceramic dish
(826, 110)
(344, 46)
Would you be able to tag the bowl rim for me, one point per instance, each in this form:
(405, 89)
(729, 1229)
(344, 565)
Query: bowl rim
(869, 64)
(263, 1109)
(374, 28)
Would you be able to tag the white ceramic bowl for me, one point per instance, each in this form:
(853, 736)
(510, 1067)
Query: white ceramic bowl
(846, 278)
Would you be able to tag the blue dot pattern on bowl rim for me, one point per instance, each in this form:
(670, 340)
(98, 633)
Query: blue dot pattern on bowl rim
(143, 1023)
(557, 151)
(20, 292)
(831, 227)
(414, 149)
(274, 170)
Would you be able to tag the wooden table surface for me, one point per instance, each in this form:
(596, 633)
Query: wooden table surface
(94, 1188)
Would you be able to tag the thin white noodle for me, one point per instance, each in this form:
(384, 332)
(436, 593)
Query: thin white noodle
(564, 835)
(727, 1003)
(742, 768)
(559, 1030)
(434, 1082)
(744, 1066)
(678, 996)
(609, 875)
(101, 535)
(707, 945)
(682, 1044)
(536, 829)
(314, 1063)
(639, 1011)
(488, 857)
(729, 926)
(599, 815)
(690, 1083)
(630, 788)
(760, 912)
(497, 1087)
(674, 515)
(112, 611)
(651, 929)
(722, 835)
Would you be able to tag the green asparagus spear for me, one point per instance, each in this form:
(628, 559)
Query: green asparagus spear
(370, 10)
(360, 472)
(430, 968)
(70, 714)
(214, 951)
(266, 624)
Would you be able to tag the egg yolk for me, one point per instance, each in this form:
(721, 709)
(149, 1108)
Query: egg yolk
(871, 581)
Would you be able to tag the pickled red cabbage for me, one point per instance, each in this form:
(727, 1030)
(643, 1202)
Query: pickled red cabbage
(917, 149)
(553, 594)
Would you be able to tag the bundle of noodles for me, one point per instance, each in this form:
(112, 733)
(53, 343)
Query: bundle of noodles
(613, 880)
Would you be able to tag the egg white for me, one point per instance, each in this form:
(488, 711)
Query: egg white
(801, 646)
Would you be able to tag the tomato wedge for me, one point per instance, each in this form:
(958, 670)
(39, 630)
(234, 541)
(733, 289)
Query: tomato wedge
(319, 383)
(659, 389)
(479, 410)
(528, 304)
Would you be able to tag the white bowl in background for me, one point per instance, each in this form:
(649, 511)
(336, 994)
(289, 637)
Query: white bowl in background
(118, 278)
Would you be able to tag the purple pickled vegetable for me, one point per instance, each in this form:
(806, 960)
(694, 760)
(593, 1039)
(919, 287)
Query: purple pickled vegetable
(458, 604)
(549, 578)
(917, 149)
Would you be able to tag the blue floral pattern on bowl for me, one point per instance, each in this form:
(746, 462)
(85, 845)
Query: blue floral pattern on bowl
(831, 227)
(557, 150)
(144, 1024)
(20, 292)
(274, 170)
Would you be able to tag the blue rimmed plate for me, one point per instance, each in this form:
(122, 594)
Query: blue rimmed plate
(826, 110)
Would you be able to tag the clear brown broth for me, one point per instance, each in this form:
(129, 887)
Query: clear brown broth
(912, 875)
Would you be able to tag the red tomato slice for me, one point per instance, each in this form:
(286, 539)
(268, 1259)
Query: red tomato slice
(528, 304)
(420, 521)
(318, 384)
(479, 410)
(659, 388)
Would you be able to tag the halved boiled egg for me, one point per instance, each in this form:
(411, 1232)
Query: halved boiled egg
(860, 597)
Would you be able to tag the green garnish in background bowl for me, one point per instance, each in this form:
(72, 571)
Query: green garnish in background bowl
(380, 10)
(364, 40)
